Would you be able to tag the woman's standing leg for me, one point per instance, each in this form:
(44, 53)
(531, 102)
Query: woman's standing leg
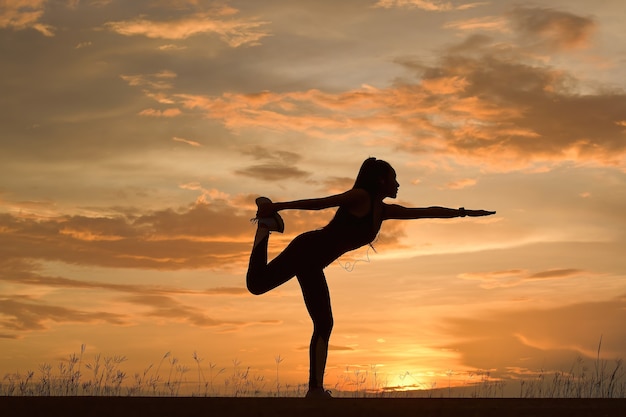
(317, 300)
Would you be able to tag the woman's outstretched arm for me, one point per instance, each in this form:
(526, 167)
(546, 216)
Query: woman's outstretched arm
(395, 211)
(350, 198)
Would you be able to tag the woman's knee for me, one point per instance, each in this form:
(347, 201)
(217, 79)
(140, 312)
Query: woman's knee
(254, 285)
(324, 327)
(255, 290)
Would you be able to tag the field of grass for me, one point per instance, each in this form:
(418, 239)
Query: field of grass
(105, 376)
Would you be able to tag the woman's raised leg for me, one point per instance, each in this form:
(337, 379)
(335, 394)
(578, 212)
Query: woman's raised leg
(263, 276)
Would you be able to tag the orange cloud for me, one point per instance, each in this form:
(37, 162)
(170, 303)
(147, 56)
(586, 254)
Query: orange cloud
(482, 103)
(509, 341)
(155, 81)
(26, 273)
(26, 313)
(463, 183)
(204, 235)
(515, 277)
(187, 141)
(316, 113)
(488, 23)
(429, 5)
(501, 113)
(276, 165)
(213, 233)
(23, 314)
(234, 32)
(556, 274)
(553, 28)
(168, 308)
(535, 27)
(24, 14)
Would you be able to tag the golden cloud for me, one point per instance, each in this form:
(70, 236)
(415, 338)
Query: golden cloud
(204, 235)
(24, 14)
(488, 23)
(276, 164)
(462, 183)
(553, 28)
(23, 314)
(428, 5)
(515, 277)
(480, 103)
(530, 338)
(168, 308)
(213, 233)
(505, 114)
(187, 141)
(234, 32)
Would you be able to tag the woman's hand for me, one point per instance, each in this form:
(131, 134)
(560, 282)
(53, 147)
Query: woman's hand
(478, 213)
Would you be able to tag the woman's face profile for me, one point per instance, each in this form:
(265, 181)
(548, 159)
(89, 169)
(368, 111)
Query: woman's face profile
(390, 185)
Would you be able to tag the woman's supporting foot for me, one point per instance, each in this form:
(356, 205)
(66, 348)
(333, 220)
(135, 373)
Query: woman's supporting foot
(320, 393)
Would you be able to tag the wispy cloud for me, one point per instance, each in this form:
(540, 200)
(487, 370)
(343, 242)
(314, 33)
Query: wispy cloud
(157, 81)
(22, 314)
(187, 141)
(462, 183)
(503, 113)
(28, 313)
(18, 271)
(485, 23)
(170, 309)
(515, 277)
(535, 27)
(234, 31)
(529, 339)
(24, 14)
(429, 5)
(553, 28)
(483, 102)
(206, 234)
(276, 164)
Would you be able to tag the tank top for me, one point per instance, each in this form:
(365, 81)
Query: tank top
(349, 232)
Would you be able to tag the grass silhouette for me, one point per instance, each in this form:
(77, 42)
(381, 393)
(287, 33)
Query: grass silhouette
(104, 376)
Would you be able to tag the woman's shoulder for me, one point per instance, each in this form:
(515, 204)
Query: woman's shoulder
(361, 193)
(360, 202)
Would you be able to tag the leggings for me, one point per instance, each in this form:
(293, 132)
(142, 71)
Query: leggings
(296, 261)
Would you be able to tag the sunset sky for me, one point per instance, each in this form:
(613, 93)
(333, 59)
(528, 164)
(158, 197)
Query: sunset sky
(135, 136)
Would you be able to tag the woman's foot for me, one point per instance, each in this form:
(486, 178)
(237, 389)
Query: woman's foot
(318, 393)
(274, 223)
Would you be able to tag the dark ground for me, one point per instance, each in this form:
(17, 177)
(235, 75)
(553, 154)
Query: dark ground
(299, 407)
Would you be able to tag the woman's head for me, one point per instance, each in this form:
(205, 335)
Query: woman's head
(377, 176)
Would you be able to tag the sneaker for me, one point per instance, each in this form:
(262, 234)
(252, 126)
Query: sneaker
(318, 393)
(274, 223)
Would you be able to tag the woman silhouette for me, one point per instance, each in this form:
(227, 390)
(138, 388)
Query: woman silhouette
(356, 223)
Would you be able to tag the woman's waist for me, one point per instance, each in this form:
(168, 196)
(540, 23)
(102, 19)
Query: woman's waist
(348, 237)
